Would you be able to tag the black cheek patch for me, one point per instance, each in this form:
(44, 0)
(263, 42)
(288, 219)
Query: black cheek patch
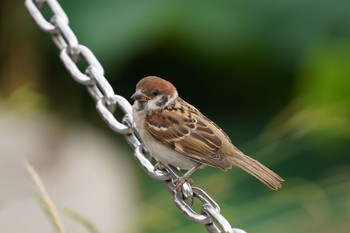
(161, 102)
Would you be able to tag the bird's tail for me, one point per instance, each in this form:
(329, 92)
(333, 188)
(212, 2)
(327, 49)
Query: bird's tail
(258, 170)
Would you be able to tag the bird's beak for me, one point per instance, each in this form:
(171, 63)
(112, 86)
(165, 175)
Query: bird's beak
(139, 96)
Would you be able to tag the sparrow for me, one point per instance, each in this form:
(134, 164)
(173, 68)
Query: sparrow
(178, 134)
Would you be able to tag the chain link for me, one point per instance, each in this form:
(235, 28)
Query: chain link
(107, 102)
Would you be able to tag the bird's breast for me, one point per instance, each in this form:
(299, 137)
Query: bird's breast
(157, 149)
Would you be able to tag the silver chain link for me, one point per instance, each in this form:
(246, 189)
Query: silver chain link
(107, 102)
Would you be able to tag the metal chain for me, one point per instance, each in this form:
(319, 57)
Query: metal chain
(107, 102)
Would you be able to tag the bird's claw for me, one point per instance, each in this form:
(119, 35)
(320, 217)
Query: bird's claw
(159, 166)
(179, 182)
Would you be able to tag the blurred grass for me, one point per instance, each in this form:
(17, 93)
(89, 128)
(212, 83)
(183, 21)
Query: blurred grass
(82, 220)
(45, 200)
(274, 74)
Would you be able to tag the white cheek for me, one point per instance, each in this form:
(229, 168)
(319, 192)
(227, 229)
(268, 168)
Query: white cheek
(151, 104)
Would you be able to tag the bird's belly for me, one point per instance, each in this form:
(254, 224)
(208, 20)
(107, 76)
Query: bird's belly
(169, 156)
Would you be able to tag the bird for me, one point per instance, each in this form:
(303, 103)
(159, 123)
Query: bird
(176, 133)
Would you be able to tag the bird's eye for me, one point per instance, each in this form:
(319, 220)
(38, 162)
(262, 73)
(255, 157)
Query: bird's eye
(155, 92)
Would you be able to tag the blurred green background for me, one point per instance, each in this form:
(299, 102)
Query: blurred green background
(274, 74)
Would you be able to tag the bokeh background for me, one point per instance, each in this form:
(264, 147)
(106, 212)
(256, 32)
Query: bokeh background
(274, 74)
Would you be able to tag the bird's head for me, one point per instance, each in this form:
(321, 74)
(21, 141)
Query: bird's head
(154, 93)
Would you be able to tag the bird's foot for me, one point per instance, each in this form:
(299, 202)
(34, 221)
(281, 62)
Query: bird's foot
(159, 166)
(181, 181)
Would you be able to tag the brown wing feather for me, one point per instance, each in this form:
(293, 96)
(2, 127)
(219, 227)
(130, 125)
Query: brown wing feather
(182, 128)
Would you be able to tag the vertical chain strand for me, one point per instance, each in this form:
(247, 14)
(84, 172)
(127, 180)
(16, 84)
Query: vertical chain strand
(107, 102)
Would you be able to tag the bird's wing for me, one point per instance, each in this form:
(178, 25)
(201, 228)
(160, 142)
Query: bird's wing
(187, 131)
